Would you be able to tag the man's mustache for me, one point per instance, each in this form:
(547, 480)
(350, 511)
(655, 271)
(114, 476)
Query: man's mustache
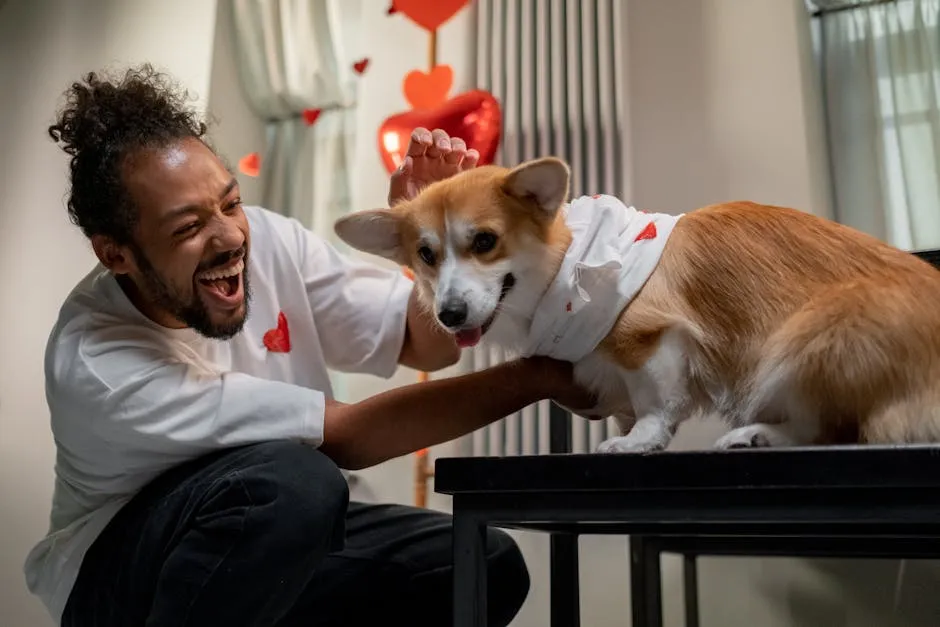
(222, 259)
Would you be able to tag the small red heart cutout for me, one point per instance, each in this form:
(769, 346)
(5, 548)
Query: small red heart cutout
(277, 340)
(647, 233)
(429, 14)
(426, 90)
(250, 164)
(311, 115)
(360, 66)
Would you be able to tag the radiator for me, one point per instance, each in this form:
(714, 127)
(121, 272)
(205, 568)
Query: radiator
(556, 66)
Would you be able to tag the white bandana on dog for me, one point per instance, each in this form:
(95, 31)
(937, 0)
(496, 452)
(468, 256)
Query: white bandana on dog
(614, 250)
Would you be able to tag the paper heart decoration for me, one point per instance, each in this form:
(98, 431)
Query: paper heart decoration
(250, 164)
(277, 340)
(310, 116)
(426, 90)
(474, 116)
(360, 66)
(429, 14)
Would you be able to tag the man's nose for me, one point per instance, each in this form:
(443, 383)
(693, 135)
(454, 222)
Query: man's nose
(228, 236)
(453, 313)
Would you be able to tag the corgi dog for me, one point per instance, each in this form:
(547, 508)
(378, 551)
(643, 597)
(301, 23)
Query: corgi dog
(795, 329)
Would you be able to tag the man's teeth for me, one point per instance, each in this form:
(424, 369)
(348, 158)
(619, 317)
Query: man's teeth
(214, 275)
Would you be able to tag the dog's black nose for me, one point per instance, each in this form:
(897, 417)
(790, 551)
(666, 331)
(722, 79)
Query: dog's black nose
(453, 314)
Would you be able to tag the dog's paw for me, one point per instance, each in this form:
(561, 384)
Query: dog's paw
(751, 436)
(626, 444)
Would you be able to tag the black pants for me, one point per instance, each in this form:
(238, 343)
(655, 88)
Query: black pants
(265, 536)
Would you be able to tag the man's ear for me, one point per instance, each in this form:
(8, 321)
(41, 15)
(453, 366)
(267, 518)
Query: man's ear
(376, 231)
(543, 182)
(116, 258)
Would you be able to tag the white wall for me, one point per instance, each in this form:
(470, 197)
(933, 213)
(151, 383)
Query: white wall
(44, 45)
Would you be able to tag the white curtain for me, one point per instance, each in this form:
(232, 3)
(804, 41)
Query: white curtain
(881, 79)
(297, 55)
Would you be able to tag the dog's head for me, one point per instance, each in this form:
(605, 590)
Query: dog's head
(483, 244)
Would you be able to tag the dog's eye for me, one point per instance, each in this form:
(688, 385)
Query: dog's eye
(484, 242)
(426, 255)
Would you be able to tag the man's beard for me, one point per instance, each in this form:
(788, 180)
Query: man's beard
(193, 313)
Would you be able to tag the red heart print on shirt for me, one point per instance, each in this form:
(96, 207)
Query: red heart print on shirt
(277, 340)
(647, 233)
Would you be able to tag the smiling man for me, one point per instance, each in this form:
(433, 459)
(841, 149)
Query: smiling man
(199, 448)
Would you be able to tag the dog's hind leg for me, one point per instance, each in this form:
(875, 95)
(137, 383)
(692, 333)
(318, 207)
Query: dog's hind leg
(915, 419)
(826, 372)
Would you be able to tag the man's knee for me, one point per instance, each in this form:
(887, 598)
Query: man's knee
(508, 580)
(298, 491)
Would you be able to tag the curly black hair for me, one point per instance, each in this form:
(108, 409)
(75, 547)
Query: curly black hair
(103, 122)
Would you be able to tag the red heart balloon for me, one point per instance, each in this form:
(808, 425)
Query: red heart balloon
(473, 116)
(429, 14)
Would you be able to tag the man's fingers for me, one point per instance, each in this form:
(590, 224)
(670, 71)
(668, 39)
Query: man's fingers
(421, 140)
(440, 144)
(398, 186)
(458, 150)
(470, 160)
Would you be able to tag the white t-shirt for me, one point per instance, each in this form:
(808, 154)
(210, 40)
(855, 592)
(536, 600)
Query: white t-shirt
(614, 250)
(129, 399)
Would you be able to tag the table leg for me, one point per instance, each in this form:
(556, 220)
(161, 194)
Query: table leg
(646, 582)
(469, 571)
(565, 605)
(690, 575)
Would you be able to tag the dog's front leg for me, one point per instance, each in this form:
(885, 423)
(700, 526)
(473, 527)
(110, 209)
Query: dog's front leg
(659, 392)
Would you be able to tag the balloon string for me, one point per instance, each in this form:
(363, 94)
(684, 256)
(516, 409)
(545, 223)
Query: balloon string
(432, 50)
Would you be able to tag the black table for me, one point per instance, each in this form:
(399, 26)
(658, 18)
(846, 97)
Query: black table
(860, 501)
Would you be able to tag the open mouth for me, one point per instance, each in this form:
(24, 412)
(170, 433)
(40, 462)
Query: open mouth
(468, 338)
(223, 285)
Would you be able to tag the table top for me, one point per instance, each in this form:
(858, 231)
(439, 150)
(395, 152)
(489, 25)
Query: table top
(831, 467)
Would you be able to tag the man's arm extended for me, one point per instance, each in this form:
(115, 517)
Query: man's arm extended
(412, 417)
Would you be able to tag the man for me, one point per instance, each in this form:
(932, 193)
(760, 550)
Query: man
(198, 472)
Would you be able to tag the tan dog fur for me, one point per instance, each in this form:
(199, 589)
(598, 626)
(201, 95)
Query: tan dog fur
(795, 329)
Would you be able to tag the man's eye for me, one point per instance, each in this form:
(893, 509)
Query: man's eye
(235, 204)
(183, 230)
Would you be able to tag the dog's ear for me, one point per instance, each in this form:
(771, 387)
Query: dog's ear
(376, 231)
(543, 182)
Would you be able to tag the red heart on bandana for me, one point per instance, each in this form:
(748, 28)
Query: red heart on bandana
(277, 340)
(311, 115)
(648, 233)
(360, 66)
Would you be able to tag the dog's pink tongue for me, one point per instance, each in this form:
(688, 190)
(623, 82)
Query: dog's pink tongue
(468, 338)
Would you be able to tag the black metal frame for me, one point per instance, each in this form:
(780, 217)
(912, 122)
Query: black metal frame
(856, 502)
(845, 501)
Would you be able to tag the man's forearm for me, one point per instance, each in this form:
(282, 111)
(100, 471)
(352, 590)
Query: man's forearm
(416, 416)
